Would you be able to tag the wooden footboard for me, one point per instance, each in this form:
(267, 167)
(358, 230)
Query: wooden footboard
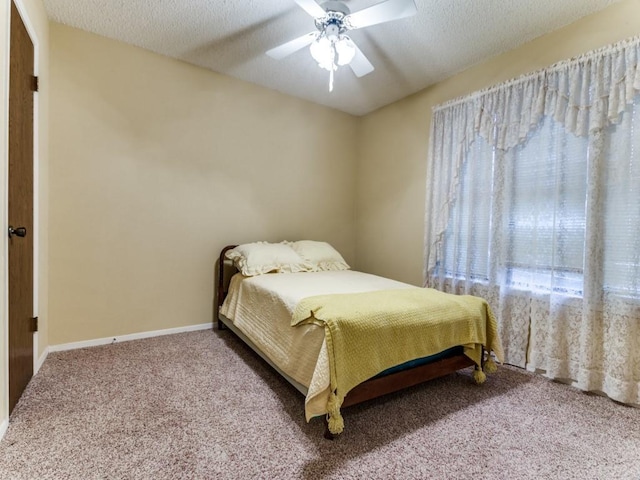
(375, 387)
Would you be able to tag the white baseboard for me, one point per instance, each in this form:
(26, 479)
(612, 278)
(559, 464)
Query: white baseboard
(40, 361)
(3, 427)
(125, 338)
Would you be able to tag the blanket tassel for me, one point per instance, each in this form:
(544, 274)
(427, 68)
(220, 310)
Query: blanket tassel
(335, 421)
(490, 365)
(479, 376)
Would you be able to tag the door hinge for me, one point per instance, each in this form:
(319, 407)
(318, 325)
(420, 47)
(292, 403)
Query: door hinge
(34, 324)
(34, 83)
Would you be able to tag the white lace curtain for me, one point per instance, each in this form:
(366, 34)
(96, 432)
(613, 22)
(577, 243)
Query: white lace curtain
(534, 204)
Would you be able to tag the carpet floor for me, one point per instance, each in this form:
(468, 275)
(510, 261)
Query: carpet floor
(202, 405)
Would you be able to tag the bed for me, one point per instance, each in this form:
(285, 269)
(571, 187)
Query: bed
(332, 332)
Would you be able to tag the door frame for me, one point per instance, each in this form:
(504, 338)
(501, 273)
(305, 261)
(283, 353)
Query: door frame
(4, 207)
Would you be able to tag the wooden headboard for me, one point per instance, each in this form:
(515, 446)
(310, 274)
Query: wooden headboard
(226, 270)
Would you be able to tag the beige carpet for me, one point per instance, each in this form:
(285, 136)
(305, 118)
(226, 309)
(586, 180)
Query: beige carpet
(202, 406)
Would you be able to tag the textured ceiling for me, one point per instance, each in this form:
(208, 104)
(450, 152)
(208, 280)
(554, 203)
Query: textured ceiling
(231, 36)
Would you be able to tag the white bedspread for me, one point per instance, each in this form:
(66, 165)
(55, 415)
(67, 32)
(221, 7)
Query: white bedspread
(261, 307)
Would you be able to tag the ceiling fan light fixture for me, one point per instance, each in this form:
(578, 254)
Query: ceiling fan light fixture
(323, 52)
(329, 52)
(346, 50)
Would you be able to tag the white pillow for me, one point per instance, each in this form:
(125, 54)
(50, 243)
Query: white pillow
(263, 257)
(322, 255)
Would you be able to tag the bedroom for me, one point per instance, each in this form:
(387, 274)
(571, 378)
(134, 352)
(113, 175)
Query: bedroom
(123, 233)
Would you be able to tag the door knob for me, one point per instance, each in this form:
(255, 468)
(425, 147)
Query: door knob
(18, 232)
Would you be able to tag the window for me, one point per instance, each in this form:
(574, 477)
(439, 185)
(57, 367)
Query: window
(546, 224)
(542, 203)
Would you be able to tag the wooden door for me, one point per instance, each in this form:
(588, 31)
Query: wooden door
(21, 88)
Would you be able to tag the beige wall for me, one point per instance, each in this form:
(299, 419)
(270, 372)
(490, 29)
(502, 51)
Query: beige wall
(156, 165)
(36, 21)
(392, 161)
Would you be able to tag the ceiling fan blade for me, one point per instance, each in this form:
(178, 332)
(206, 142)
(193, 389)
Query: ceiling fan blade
(312, 8)
(382, 12)
(292, 46)
(360, 64)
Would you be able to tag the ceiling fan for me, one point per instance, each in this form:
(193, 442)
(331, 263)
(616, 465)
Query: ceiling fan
(330, 45)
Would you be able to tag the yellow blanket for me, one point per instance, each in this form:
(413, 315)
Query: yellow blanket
(366, 333)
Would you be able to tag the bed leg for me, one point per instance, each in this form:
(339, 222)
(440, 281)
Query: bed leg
(327, 433)
(220, 325)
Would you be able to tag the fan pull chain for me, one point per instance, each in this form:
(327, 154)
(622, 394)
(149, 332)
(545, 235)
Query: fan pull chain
(333, 66)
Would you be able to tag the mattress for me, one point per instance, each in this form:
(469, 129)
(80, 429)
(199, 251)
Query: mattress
(261, 307)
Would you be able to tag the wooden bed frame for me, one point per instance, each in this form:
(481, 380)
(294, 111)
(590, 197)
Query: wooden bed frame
(370, 389)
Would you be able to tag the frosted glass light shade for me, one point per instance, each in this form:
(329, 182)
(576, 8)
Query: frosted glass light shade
(323, 52)
(346, 50)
